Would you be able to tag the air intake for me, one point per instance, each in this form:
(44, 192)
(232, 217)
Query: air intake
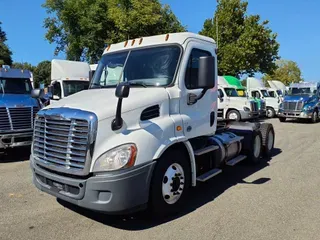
(150, 113)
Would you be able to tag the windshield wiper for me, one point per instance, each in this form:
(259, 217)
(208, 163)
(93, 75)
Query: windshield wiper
(138, 84)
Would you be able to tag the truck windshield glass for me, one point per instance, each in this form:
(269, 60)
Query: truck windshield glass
(241, 93)
(231, 92)
(265, 93)
(272, 94)
(15, 85)
(71, 87)
(154, 66)
(300, 91)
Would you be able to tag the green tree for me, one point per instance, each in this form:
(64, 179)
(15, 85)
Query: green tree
(42, 73)
(287, 72)
(5, 53)
(23, 65)
(83, 28)
(245, 44)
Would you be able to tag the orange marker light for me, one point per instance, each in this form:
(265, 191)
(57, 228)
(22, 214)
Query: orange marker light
(133, 42)
(179, 128)
(167, 37)
(140, 41)
(126, 43)
(108, 47)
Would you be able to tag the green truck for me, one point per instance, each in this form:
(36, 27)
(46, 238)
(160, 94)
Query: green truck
(242, 92)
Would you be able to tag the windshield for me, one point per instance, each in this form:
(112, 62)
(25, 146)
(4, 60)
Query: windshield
(300, 91)
(279, 92)
(154, 66)
(231, 92)
(15, 85)
(71, 87)
(272, 94)
(241, 93)
(265, 93)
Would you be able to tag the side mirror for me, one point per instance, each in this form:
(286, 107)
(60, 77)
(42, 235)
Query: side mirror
(122, 90)
(206, 73)
(37, 93)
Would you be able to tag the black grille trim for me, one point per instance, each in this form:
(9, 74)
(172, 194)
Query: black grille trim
(150, 113)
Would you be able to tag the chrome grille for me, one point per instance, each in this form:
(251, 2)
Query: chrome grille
(293, 106)
(61, 143)
(17, 118)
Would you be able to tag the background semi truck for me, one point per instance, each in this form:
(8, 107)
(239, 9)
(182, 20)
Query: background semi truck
(143, 136)
(242, 92)
(257, 89)
(68, 77)
(231, 106)
(302, 101)
(17, 108)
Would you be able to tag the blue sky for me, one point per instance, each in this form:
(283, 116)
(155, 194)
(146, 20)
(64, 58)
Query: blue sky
(295, 21)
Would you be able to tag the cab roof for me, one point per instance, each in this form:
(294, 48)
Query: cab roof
(173, 38)
(14, 73)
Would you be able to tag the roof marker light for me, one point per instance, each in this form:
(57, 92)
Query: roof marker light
(126, 43)
(140, 41)
(108, 47)
(133, 42)
(167, 37)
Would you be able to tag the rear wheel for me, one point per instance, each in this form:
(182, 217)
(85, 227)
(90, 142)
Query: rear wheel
(255, 150)
(234, 115)
(170, 184)
(268, 137)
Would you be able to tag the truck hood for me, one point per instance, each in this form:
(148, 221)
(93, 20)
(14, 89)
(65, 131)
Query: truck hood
(17, 100)
(303, 98)
(103, 102)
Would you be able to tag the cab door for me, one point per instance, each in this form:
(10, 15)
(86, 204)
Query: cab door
(199, 117)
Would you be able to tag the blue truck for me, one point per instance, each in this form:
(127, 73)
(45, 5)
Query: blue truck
(301, 102)
(17, 108)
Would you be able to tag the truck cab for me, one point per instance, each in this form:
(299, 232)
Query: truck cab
(302, 101)
(144, 132)
(257, 90)
(242, 92)
(231, 106)
(67, 78)
(17, 108)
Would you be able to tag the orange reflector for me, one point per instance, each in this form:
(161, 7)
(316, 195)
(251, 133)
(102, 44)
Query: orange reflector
(140, 41)
(126, 43)
(108, 47)
(167, 37)
(179, 128)
(133, 42)
(67, 78)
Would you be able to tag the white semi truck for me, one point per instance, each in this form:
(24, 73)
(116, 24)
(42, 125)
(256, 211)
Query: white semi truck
(257, 89)
(232, 106)
(142, 138)
(67, 78)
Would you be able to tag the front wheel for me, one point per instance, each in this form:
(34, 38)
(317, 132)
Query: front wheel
(234, 115)
(314, 117)
(170, 184)
(270, 112)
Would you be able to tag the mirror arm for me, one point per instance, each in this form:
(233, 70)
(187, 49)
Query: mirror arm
(118, 121)
(193, 98)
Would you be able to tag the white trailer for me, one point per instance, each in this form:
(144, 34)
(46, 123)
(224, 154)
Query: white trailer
(144, 137)
(68, 77)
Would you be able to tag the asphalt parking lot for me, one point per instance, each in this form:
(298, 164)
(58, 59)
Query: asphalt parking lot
(279, 199)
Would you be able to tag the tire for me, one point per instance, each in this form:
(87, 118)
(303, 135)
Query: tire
(314, 117)
(254, 154)
(282, 119)
(270, 112)
(268, 138)
(163, 202)
(234, 113)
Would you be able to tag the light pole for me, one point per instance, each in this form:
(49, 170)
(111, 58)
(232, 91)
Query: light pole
(217, 23)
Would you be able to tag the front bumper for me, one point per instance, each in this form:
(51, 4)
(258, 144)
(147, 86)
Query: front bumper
(119, 192)
(295, 114)
(15, 139)
(248, 115)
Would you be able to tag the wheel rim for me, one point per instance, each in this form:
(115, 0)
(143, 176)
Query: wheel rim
(270, 140)
(233, 116)
(314, 116)
(269, 113)
(257, 146)
(173, 183)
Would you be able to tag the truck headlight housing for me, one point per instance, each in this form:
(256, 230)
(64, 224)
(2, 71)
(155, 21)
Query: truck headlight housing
(123, 156)
(308, 107)
(246, 109)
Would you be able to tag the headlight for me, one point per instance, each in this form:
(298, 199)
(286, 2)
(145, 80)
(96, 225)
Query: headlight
(308, 108)
(123, 156)
(246, 109)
